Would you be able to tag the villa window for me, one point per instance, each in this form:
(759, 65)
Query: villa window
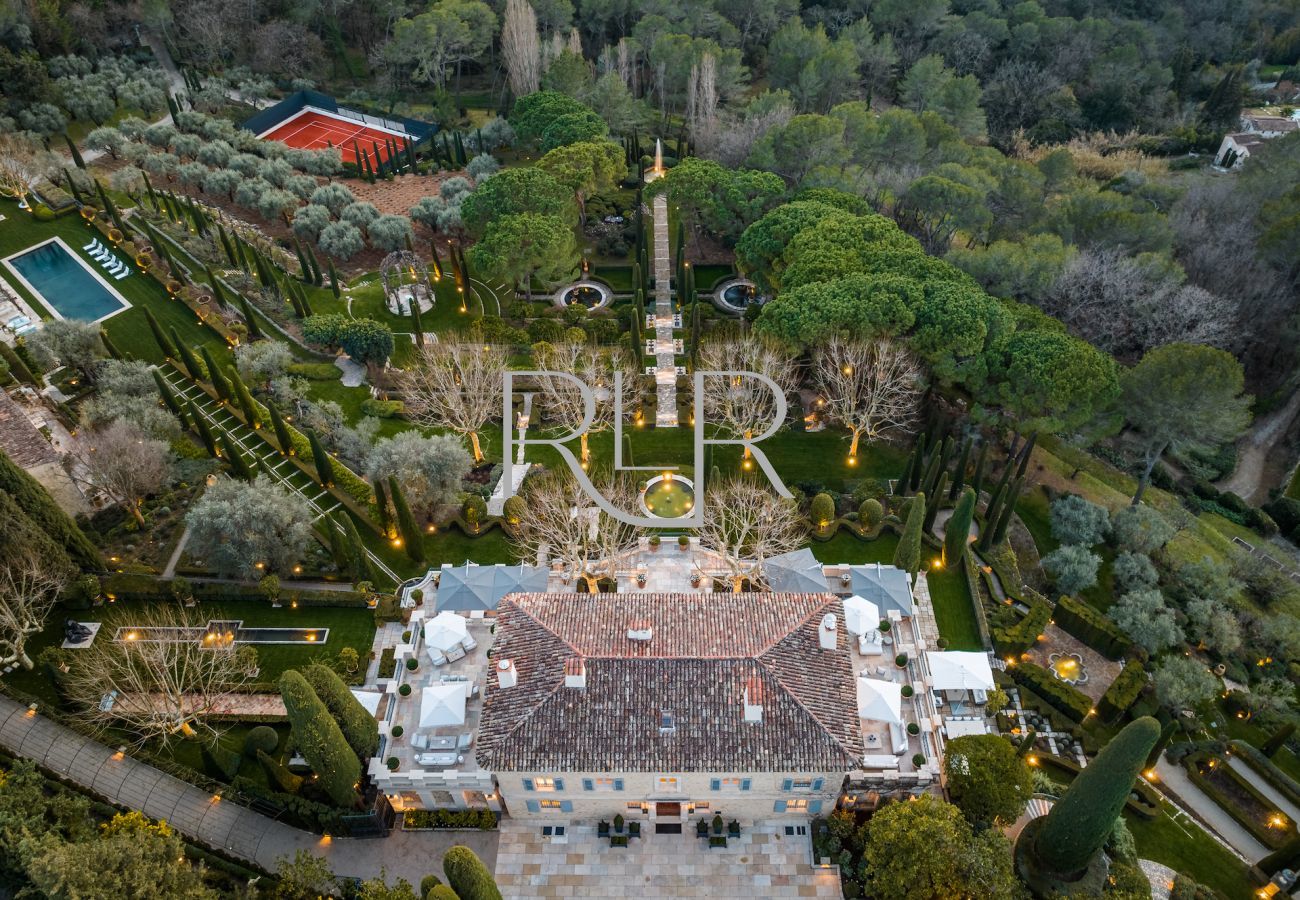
(730, 784)
(669, 785)
(602, 784)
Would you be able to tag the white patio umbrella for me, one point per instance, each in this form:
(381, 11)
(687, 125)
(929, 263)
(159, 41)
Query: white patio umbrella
(880, 701)
(860, 615)
(442, 704)
(368, 699)
(444, 631)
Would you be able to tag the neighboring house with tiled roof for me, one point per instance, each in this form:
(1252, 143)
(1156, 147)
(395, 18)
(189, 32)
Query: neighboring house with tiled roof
(23, 442)
(670, 704)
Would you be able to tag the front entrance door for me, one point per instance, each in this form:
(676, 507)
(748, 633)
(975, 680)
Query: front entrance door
(668, 810)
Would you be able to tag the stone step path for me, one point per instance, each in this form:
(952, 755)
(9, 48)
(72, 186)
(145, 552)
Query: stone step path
(254, 448)
(665, 361)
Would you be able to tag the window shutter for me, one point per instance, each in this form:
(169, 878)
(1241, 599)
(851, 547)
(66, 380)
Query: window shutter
(528, 784)
(566, 806)
(745, 784)
(779, 806)
(534, 806)
(559, 784)
(715, 784)
(817, 784)
(787, 784)
(814, 806)
(588, 784)
(618, 784)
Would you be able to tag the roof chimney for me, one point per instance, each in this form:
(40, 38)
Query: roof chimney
(575, 672)
(828, 634)
(639, 631)
(507, 674)
(754, 701)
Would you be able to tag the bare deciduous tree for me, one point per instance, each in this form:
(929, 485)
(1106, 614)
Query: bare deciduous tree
(169, 670)
(28, 589)
(521, 48)
(1127, 306)
(563, 526)
(125, 462)
(595, 367)
(869, 387)
(705, 93)
(746, 523)
(729, 138)
(740, 403)
(455, 386)
(23, 162)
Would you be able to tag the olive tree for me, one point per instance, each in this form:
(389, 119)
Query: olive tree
(430, 470)
(1074, 568)
(249, 528)
(341, 240)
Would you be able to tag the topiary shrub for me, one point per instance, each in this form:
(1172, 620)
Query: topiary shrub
(278, 774)
(261, 737)
(918, 759)
(397, 731)
(412, 664)
(913, 728)
(871, 513)
(467, 876)
(428, 883)
(358, 725)
(907, 690)
(392, 763)
(404, 690)
(320, 740)
(822, 511)
(901, 660)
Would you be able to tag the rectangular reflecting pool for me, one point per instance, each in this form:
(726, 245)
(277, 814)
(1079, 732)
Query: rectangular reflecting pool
(222, 632)
(65, 282)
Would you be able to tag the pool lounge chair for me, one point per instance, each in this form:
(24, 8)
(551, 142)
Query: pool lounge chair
(93, 245)
(125, 272)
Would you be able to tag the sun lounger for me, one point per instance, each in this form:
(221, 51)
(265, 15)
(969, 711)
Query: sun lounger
(469, 643)
(125, 273)
(93, 243)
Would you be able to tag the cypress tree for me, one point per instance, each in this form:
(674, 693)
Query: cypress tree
(959, 475)
(245, 399)
(321, 740)
(919, 469)
(316, 277)
(148, 188)
(908, 553)
(304, 267)
(357, 549)
(416, 323)
(338, 544)
(1025, 454)
(109, 346)
(202, 429)
(1062, 844)
(334, 278)
(168, 395)
(218, 380)
(1166, 735)
(907, 470)
(1008, 510)
(412, 538)
(1277, 739)
(957, 531)
(246, 310)
(17, 366)
(164, 343)
(37, 505)
(242, 256)
(436, 260)
(994, 509)
(281, 431)
(306, 304)
(933, 511)
(381, 508)
(192, 364)
(238, 464)
(931, 475)
(225, 244)
(977, 481)
(321, 459)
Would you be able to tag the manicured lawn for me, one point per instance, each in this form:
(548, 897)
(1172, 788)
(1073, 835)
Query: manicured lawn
(1248, 731)
(846, 547)
(1032, 508)
(128, 329)
(1185, 848)
(954, 610)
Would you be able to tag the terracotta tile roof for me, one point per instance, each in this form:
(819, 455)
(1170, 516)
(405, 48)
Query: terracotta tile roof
(703, 652)
(19, 438)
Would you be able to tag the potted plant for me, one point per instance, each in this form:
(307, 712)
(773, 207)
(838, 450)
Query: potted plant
(654, 542)
(907, 690)
(695, 579)
(404, 690)
(733, 828)
(913, 729)
(393, 763)
(717, 824)
(846, 578)
(684, 542)
(702, 828)
(418, 596)
(901, 660)
(943, 643)
(640, 579)
(717, 841)
(602, 828)
(618, 823)
(884, 626)
(412, 664)
(634, 829)
(918, 760)
(397, 731)
(406, 636)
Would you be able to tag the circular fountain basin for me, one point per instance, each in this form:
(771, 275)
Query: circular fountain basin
(668, 496)
(400, 300)
(589, 294)
(1068, 667)
(736, 295)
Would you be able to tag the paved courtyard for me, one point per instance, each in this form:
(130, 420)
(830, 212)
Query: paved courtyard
(764, 862)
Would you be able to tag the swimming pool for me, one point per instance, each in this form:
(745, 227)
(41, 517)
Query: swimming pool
(65, 283)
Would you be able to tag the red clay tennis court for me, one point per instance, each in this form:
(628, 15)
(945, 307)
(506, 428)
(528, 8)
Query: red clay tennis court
(312, 129)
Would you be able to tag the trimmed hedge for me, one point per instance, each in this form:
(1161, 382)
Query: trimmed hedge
(320, 740)
(1269, 837)
(1072, 702)
(467, 876)
(387, 663)
(1092, 627)
(1144, 801)
(1123, 691)
(134, 586)
(482, 819)
(1268, 770)
(358, 726)
(1016, 639)
(278, 774)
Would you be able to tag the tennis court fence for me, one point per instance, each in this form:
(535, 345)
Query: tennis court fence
(264, 121)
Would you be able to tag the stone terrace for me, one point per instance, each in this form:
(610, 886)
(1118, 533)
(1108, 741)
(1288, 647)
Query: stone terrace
(763, 863)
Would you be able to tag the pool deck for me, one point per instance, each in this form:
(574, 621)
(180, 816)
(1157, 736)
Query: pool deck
(123, 303)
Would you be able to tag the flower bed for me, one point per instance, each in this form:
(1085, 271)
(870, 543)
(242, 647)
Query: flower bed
(1239, 799)
(1068, 700)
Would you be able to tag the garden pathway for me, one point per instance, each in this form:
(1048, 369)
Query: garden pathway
(223, 825)
(1173, 778)
(1273, 794)
(175, 558)
(665, 358)
(256, 449)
